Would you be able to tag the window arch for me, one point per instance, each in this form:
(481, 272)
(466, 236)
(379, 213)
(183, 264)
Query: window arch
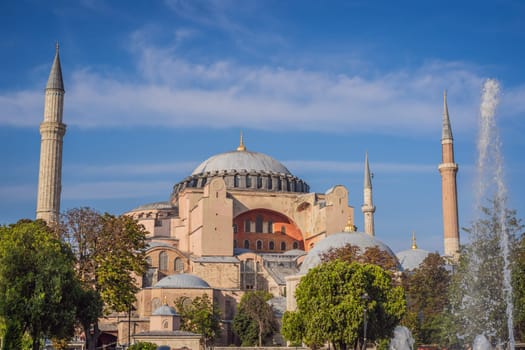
(295, 245)
(259, 224)
(178, 265)
(246, 244)
(165, 324)
(283, 246)
(163, 261)
(259, 245)
(271, 245)
(235, 228)
(283, 229)
(247, 225)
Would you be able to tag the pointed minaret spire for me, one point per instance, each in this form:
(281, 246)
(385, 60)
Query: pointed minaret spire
(241, 144)
(447, 130)
(55, 76)
(448, 170)
(414, 245)
(52, 132)
(368, 177)
(368, 207)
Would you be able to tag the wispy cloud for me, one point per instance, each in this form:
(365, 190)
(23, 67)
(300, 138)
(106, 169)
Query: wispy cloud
(171, 91)
(355, 167)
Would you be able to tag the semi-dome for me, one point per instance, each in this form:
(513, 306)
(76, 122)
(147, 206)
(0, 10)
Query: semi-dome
(339, 240)
(411, 258)
(243, 170)
(182, 281)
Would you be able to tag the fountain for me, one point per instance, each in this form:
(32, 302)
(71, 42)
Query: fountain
(402, 339)
(488, 280)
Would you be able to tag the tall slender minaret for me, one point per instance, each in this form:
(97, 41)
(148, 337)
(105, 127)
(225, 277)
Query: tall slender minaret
(448, 170)
(52, 132)
(368, 207)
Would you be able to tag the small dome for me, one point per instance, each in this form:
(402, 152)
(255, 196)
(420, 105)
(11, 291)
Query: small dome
(165, 310)
(182, 281)
(339, 240)
(411, 258)
(239, 160)
(294, 252)
(154, 206)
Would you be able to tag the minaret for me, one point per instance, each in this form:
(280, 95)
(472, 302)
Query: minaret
(52, 132)
(368, 207)
(448, 170)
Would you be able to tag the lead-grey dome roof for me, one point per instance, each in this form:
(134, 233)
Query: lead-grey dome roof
(239, 160)
(243, 170)
(339, 240)
(411, 258)
(182, 281)
(165, 310)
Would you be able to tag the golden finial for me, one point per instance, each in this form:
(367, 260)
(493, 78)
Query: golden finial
(350, 227)
(241, 145)
(414, 245)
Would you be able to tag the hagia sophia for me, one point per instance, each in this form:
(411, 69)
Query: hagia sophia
(241, 221)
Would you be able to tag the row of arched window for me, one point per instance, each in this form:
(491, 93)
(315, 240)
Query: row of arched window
(178, 264)
(259, 245)
(261, 226)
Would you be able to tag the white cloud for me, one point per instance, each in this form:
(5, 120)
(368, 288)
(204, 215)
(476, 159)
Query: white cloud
(174, 92)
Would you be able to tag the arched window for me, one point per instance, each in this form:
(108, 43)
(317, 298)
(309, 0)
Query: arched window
(259, 245)
(178, 265)
(247, 225)
(236, 181)
(234, 228)
(270, 226)
(163, 261)
(165, 324)
(246, 244)
(269, 183)
(248, 181)
(259, 224)
(259, 181)
(271, 245)
(283, 229)
(283, 246)
(295, 245)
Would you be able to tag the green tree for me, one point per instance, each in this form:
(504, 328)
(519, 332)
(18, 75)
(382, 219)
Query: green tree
(110, 253)
(426, 288)
(331, 303)
(38, 286)
(200, 316)
(254, 320)
(371, 255)
(518, 279)
(477, 291)
(143, 346)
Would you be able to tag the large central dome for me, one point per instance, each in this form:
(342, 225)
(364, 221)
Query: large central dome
(241, 160)
(243, 170)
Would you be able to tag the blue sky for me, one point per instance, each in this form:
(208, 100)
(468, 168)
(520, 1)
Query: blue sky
(153, 88)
